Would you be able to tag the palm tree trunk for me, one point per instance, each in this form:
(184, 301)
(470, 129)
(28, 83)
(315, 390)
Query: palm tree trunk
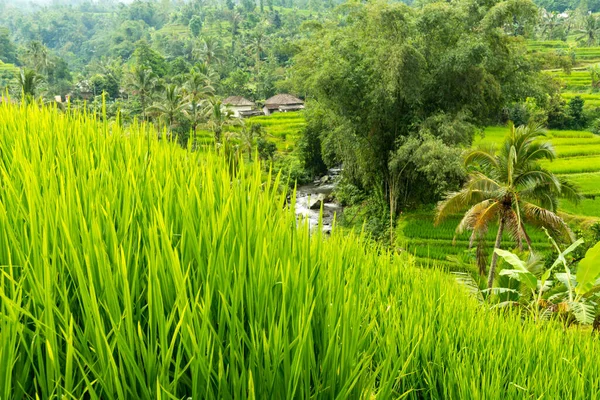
(492, 274)
(527, 238)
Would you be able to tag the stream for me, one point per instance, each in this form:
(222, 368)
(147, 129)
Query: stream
(310, 196)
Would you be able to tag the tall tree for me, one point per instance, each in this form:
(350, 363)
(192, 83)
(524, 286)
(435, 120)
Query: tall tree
(169, 106)
(38, 57)
(509, 188)
(387, 71)
(588, 33)
(235, 19)
(257, 44)
(8, 51)
(197, 90)
(29, 82)
(142, 82)
(217, 117)
(209, 50)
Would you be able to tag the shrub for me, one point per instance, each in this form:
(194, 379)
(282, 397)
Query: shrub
(266, 148)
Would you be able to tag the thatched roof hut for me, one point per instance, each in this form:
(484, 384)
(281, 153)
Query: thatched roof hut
(282, 103)
(239, 105)
(238, 101)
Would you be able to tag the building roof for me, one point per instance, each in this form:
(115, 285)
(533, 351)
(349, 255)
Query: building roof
(282, 100)
(238, 101)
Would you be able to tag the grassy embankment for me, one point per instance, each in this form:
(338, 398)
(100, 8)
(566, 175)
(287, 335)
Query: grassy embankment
(127, 274)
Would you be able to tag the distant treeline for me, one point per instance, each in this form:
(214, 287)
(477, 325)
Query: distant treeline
(564, 5)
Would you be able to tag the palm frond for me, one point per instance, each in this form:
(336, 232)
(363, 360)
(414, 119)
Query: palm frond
(481, 157)
(472, 215)
(542, 217)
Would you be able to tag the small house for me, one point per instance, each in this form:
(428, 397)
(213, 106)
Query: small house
(239, 106)
(282, 103)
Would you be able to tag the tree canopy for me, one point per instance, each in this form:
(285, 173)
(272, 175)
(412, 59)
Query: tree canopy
(407, 86)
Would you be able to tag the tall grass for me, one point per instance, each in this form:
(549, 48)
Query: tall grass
(127, 274)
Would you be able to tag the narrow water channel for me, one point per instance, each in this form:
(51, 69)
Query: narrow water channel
(310, 197)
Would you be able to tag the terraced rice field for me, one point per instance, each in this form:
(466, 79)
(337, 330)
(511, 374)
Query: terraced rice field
(578, 160)
(7, 73)
(417, 234)
(577, 82)
(591, 99)
(282, 128)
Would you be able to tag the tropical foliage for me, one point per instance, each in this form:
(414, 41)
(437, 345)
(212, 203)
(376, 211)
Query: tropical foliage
(512, 189)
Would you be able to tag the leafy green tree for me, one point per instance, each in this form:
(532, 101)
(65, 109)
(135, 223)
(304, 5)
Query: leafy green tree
(257, 43)
(209, 50)
(235, 19)
(577, 119)
(8, 51)
(217, 117)
(195, 25)
(248, 136)
(145, 11)
(37, 57)
(595, 75)
(386, 69)
(197, 91)
(146, 57)
(510, 188)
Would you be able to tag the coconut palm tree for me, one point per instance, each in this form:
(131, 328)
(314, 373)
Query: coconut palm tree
(248, 135)
(209, 50)
(511, 188)
(257, 44)
(235, 19)
(170, 106)
(217, 117)
(198, 89)
(29, 81)
(142, 82)
(590, 30)
(38, 56)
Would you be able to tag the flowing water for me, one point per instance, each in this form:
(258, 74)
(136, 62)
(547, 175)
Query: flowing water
(307, 195)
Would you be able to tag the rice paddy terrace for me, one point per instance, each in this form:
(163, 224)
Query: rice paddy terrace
(577, 82)
(282, 128)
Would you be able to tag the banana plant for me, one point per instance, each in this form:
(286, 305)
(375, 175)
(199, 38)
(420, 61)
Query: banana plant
(580, 291)
(575, 294)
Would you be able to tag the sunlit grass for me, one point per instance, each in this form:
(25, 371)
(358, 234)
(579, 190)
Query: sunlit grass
(586, 207)
(574, 165)
(134, 269)
(588, 183)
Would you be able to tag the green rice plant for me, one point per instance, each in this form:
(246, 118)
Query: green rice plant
(135, 272)
(129, 273)
(578, 150)
(572, 134)
(574, 165)
(586, 207)
(588, 183)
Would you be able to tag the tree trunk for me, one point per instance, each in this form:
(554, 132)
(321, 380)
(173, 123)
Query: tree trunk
(495, 256)
(527, 238)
